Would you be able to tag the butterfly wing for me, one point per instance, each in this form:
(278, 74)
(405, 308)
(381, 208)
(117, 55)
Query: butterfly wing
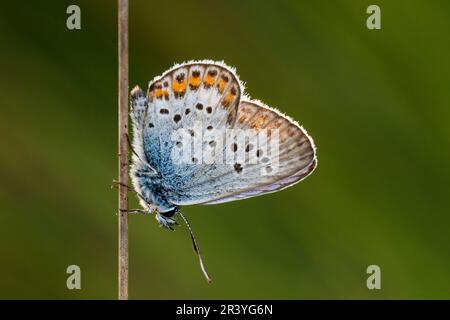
(189, 94)
(254, 171)
(203, 100)
(276, 186)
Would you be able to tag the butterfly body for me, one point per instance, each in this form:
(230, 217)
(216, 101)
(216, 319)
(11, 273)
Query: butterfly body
(199, 140)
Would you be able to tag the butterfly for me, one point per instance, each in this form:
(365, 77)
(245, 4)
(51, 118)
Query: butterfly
(199, 139)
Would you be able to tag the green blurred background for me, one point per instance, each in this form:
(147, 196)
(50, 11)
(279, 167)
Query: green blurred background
(376, 102)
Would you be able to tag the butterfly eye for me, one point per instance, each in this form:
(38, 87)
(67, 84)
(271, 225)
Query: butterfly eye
(170, 213)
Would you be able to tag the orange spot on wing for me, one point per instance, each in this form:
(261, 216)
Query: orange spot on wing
(209, 81)
(194, 82)
(275, 124)
(221, 85)
(258, 121)
(242, 119)
(179, 86)
(228, 99)
(158, 93)
(244, 114)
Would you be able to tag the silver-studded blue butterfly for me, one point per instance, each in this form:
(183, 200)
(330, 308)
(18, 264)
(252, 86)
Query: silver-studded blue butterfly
(198, 139)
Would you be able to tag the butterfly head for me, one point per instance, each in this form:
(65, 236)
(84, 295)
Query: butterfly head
(166, 218)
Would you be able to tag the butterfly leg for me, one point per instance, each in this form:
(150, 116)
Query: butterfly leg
(165, 222)
(116, 184)
(136, 211)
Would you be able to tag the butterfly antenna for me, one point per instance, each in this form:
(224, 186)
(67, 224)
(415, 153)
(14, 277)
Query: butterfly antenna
(134, 152)
(196, 248)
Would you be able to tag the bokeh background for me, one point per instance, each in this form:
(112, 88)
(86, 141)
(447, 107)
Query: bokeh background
(376, 102)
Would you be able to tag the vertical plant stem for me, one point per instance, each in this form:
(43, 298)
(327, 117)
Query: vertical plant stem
(123, 148)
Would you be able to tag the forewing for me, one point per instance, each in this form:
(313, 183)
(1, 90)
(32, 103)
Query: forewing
(195, 98)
